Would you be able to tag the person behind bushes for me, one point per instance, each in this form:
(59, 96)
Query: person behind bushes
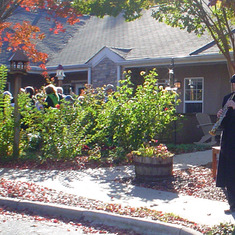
(109, 89)
(6, 98)
(8, 95)
(60, 93)
(31, 92)
(22, 90)
(226, 167)
(69, 100)
(52, 98)
(39, 101)
(81, 99)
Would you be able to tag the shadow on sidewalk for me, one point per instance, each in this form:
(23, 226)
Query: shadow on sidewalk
(93, 183)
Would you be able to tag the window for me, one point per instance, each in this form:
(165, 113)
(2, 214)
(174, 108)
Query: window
(193, 95)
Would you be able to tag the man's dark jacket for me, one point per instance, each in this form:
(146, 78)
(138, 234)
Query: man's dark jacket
(226, 166)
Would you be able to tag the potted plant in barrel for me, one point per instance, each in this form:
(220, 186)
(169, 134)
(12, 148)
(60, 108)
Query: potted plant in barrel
(153, 161)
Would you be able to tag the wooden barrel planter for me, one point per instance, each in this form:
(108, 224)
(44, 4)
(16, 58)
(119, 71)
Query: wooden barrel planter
(151, 169)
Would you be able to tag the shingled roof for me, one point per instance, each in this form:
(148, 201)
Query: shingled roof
(144, 38)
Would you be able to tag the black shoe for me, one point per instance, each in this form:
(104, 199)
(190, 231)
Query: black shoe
(229, 211)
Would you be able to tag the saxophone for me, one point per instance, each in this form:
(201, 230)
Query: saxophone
(220, 119)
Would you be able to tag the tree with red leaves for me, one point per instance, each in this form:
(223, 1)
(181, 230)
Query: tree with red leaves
(24, 35)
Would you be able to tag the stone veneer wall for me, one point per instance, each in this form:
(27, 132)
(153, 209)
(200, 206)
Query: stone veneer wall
(104, 73)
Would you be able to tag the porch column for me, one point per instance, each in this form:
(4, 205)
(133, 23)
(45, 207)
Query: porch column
(89, 76)
(118, 74)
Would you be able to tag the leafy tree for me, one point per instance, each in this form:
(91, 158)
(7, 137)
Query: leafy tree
(131, 9)
(196, 16)
(25, 35)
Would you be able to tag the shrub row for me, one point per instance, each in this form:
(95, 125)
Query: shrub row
(91, 125)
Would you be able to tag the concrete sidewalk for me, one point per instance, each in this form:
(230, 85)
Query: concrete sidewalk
(100, 184)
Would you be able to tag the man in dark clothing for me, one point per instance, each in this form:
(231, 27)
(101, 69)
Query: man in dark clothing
(226, 167)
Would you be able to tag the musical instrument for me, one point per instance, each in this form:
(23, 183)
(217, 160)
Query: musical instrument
(220, 119)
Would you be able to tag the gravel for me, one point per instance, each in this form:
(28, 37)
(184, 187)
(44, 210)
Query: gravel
(196, 181)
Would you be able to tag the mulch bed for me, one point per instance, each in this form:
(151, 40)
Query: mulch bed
(196, 181)
(78, 163)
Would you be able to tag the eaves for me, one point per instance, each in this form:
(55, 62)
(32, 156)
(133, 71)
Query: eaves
(165, 61)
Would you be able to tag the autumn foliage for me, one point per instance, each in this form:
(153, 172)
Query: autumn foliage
(24, 35)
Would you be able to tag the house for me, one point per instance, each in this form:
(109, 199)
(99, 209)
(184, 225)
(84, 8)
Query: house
(97, 51)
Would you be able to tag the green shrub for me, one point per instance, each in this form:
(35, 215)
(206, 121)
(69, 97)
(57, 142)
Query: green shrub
(109, 129)
(6, 120)
(128, 120)
(55, 131)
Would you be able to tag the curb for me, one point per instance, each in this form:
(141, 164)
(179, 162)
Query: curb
(143, 226)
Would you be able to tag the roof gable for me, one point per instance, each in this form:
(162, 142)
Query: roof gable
(109, 53)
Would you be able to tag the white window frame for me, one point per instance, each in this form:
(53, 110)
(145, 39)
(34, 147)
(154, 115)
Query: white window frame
(193, 101)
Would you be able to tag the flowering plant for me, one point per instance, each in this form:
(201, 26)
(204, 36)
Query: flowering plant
(154, 151)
